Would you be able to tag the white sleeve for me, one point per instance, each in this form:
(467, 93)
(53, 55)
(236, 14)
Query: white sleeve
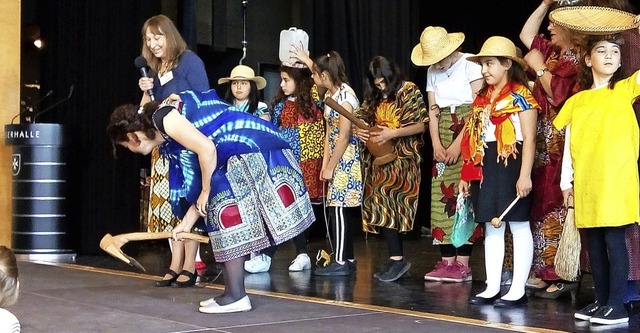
(566, 175)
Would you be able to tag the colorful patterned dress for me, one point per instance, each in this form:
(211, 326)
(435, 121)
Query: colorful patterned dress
(306, 137)
(345, 188)
(258, 198)
(547, 208)
(391, 190)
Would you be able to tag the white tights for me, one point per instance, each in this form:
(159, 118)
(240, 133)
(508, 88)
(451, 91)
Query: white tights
(494, 257)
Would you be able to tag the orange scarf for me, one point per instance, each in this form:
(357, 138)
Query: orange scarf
(498, 111)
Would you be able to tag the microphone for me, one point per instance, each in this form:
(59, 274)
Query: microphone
(55, 104)
(29, 108)
(141, 64)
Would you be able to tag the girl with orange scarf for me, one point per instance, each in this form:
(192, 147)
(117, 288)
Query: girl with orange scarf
(497, 149)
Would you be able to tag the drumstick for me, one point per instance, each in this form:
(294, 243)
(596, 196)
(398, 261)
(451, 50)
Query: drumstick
(496, 222)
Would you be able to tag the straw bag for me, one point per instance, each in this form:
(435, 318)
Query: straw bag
(463, 221)
(567, 260)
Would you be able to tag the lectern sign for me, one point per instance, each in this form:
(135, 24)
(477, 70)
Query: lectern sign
(33, 134)
(23, 134)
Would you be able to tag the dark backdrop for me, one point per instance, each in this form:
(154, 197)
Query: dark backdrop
(92, 44)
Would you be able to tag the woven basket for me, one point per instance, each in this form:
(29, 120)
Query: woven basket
(593, 20)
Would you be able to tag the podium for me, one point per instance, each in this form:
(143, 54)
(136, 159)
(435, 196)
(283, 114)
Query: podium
(39, 192)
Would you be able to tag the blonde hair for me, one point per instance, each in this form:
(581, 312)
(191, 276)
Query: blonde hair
(8, 277)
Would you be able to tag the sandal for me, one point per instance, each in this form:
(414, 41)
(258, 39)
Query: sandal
(189, 283)
(168, 282)
(536, 284)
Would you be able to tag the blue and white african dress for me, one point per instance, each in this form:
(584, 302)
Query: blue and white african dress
(258, 197)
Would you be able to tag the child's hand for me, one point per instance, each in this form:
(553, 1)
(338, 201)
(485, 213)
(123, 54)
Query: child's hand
(523, 186)
(566, 194)
(439, 152)
(383, 135)
(361, 134)
(463, 187)
(326, 174)
(298, 52)
(453, 153)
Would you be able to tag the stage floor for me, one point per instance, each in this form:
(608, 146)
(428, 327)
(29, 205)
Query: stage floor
(102, 294)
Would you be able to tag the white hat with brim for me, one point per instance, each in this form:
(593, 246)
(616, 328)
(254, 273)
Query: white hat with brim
(241, 73)
(498, 46)
(435, 45)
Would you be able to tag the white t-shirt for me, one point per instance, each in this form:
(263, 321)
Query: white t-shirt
(451, 87)
(8, 322)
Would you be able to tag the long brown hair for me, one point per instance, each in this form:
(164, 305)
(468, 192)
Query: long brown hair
(380, 67)
(8, 277)
(304, 83)
(162, 25)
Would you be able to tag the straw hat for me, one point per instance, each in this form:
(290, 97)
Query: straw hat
(242, 72)
(593, 20)
(435, 45)
(498, 46)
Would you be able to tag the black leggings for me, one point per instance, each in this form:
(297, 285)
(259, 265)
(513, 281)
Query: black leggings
(394, 242)
(448, 250)
(609, 261)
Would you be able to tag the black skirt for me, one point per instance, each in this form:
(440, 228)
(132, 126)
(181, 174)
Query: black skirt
(498, 188)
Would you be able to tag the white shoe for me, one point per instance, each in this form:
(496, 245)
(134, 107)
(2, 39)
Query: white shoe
(259, 264)
(300, 263)
(241, 305)
(208, 302)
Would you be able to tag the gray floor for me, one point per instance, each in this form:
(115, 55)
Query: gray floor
(103, 294)
(74, 298)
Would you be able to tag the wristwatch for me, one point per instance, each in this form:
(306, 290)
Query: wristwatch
(540, 72)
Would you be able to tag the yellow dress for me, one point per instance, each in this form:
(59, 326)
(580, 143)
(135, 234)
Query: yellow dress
(604, 151)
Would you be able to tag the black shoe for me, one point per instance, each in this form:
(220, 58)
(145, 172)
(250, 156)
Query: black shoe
(477, 300)
(352, 265)
(189, 283)
(396, 270)
(333, 269)
(587, 312)
(384, 269)
(166, 283)
(503, 303)
(609, 315)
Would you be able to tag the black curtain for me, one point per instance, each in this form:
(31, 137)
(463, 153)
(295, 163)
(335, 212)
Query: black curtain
(362, 29)
(92, 45)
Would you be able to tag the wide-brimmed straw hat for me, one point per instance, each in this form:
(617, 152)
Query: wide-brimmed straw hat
(498, 46)
(242, 72)
(593, 20)
(435, 45)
